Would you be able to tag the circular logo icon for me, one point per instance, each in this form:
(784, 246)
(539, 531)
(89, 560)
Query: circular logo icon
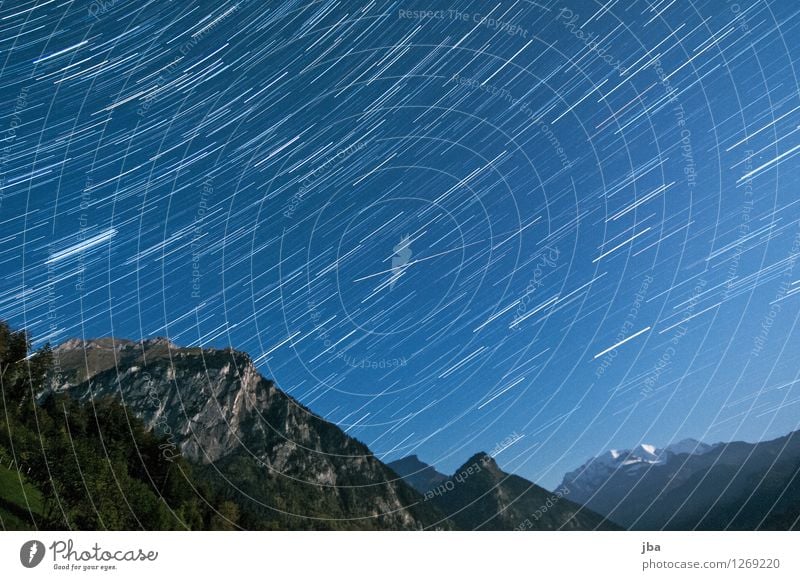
(31, 553)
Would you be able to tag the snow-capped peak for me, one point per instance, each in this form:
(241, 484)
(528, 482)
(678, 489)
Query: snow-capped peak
(632, 461)
(614, 458)
(647, 452)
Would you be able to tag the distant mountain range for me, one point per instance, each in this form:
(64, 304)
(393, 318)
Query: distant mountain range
(283, 467)
(481, 496)
(692, 485)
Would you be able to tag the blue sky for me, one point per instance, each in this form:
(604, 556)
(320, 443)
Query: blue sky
(569, 224)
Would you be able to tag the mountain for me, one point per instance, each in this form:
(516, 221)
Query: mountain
(120, 434)
(286, 467)
(689, 446)
(692, 485)
(584, 482)
(417, 474)
(481, 496)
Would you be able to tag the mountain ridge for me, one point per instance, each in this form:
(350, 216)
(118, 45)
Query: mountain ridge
(251, 439)
(693, 485)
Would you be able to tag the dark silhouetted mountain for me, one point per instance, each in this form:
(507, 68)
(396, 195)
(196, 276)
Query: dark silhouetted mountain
(417, 474)
(737, 486)
(481, 496)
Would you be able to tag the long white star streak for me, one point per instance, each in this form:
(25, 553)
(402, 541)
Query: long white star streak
(81, 247)
(621, 342)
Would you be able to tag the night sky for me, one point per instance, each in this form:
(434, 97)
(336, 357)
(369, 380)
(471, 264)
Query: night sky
(567, 226)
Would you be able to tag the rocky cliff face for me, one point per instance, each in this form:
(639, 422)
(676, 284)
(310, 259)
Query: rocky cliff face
(247, 436)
